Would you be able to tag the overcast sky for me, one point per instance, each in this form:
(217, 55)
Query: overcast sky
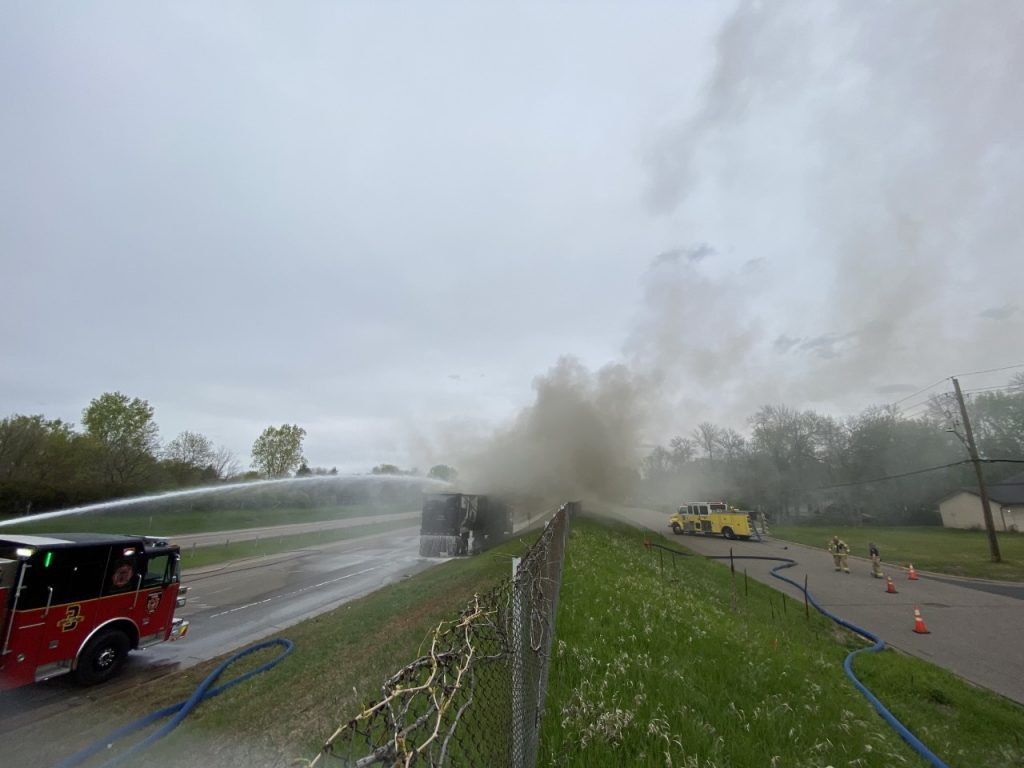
(382, 221)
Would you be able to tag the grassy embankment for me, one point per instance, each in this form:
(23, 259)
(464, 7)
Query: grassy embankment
(683, 668)
(676, 668)
(929, 548)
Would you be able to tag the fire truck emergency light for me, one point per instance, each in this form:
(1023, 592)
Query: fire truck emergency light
(49, 557)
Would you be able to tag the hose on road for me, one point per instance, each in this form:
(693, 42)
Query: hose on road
(180, 710)
(785, 562)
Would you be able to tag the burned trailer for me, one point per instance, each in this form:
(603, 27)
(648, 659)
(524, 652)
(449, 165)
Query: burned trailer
(455, 524)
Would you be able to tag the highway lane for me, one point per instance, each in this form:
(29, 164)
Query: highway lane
(975, 631)
(192, 540)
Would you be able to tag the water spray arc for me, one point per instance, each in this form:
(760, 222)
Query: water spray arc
(206, 490)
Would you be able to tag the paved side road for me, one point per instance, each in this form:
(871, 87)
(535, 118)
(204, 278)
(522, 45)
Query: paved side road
(975, 633)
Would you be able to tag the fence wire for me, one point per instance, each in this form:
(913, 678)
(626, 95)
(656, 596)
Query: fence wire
(476, 695)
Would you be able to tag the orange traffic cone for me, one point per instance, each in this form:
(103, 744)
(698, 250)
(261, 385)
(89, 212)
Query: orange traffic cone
(912, 574)
(890, 588)
(919, 626)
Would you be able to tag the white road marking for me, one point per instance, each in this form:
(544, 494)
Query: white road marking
(241, 608)
(296, 592)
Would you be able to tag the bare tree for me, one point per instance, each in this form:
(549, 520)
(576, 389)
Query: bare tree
(225, 464)
(708, 437)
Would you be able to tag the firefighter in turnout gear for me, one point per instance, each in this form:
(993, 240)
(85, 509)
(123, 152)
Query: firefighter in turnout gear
(840, 553)
(876, 560)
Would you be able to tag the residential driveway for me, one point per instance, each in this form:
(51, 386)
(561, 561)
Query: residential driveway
(976, 627)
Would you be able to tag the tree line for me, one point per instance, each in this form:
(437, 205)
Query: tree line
(862, 468)
(50, 464)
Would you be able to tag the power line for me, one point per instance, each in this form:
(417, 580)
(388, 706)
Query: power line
(920, 409)
(910, 474)
(915, 394)
(1002, 388)
(969, 392)
(939, 398)
(989, 370)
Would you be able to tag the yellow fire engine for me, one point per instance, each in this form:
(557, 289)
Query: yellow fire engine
(712, 518)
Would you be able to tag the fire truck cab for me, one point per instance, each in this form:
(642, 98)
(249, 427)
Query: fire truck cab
(79, 602)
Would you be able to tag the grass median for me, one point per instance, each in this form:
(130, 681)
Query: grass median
(929, 548)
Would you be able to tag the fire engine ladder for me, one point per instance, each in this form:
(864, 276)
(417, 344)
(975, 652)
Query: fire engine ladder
(754, 533)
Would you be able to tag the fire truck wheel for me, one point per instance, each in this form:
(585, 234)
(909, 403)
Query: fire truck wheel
(727, 532)
(102, 657)
(676, 529)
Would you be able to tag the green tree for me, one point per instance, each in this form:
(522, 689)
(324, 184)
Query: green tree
(386, 469)
(190, 449)
(442, 472)
(39, 464)
(278, 451)
(126, 436)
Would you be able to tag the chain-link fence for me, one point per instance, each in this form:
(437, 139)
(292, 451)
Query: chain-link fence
(476, 696)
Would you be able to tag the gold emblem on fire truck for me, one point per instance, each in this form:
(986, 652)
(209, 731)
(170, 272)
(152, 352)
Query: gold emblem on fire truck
(71, 619)
(152, 602)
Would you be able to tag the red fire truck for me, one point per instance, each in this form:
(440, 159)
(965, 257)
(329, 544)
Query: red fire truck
(79, 602)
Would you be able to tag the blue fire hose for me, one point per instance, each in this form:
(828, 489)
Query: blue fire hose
(915, 743)
(179, 711)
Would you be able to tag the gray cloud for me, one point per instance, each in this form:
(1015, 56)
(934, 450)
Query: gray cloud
(783, 343)
(693, 253)
(895, 389)
(828, 345)
(1004, 312)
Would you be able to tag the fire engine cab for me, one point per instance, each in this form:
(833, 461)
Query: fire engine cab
(79, 602)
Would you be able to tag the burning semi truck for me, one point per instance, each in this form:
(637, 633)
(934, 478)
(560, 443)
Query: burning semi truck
(462, 524)
(79, 602)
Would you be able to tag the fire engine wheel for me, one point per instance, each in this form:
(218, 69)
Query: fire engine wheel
(727, 532)
(102, 657)
(676, 529)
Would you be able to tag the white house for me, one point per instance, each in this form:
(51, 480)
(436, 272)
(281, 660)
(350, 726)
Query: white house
(962, 509)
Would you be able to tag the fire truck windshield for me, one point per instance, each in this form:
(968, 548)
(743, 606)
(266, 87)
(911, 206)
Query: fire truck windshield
(161, 569)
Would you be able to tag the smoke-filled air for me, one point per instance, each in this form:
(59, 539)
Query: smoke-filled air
(844, 200)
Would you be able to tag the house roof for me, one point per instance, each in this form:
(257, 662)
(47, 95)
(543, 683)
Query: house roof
(1010, 492)
(1007, 493)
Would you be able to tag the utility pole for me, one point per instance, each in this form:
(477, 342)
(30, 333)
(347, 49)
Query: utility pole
(972, 449)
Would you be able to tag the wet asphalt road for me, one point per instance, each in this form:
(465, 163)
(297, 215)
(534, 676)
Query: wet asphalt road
(975, 626)
(233, 605)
